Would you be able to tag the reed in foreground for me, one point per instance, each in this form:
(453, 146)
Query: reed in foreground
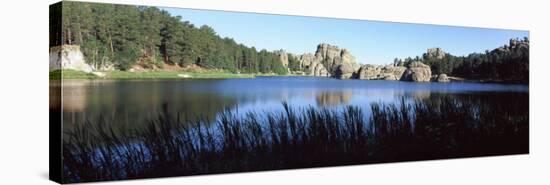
(171, 145)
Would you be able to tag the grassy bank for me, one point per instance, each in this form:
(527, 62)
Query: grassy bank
(173, 75)
(172, 145)
(71, 74)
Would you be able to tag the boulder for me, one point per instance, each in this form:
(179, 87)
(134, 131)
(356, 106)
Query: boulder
(417, 72)
(393, 72)
(68, 57)
(377, 72)
(345, 71)
(369, 72)
(442, 78)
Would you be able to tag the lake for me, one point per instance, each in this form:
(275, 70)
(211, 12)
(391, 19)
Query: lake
(151, 128)
(136, 101)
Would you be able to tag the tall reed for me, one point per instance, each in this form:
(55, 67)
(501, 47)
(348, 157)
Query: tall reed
(170, 145)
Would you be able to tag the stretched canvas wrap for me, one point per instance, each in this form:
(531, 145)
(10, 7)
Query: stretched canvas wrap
(143, 92)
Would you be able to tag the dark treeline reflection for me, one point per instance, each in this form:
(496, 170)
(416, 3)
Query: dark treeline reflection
(133, 102)
(418, 126)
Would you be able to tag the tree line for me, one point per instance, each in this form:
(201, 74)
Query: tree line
(507, 63)
(124, 35)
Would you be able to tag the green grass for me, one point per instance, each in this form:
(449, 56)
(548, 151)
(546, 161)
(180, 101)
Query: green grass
(219, 75)
(72, 74)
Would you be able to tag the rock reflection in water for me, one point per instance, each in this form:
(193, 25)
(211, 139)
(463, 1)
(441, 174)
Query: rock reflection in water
(137, 101)
(333, 98)
(419, 95)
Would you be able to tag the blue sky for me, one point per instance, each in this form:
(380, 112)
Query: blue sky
(371, 42)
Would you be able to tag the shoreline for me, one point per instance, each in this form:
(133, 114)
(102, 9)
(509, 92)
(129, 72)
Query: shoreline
(122, 75)
(165, 75)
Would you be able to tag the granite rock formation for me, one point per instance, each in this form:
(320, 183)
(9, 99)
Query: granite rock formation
(328, 60)
(442, 78)
(379, 72)
(333, 56)
(311, 66)
(345, 71)
(283, 56)
(417, 72)
(434, 53)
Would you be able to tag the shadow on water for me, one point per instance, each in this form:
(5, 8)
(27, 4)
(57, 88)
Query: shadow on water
(433, 126)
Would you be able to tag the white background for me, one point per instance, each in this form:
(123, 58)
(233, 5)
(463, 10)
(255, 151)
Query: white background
(24, 91)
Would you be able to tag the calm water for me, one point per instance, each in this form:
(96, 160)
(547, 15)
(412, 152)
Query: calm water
(136, 101)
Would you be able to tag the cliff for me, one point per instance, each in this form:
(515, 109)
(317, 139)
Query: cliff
(332, 57)
(68, 57)
(328, 60)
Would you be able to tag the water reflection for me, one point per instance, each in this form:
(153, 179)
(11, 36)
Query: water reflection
(333, 98)
(420, 95)
(136, 101)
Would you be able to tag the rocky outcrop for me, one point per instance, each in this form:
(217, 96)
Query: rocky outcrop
(283, 57)
(393, 72)
(514, 44)
(68, 57)
(442, 78)
(369, 72)
(379, 72)
(332, 61)
(319, 70)
(311, 66)
(328, 60)
(345, 71)
(434, 53)
(417, 72)
(332, 57)
(306, 61)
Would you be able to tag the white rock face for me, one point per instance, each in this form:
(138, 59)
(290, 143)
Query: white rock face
(68, 57)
